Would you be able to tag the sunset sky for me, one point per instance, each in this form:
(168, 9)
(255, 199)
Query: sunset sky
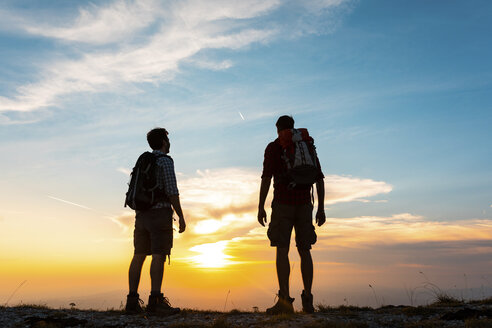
(397, 95)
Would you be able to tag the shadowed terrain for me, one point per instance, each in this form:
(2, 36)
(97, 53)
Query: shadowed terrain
(446, 312)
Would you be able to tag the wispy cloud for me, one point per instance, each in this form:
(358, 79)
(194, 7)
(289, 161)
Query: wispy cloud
(111, 23)
(124, 170)
(347, 189)
(141, 42)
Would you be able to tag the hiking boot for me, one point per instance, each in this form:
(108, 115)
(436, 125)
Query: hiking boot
(307, 302)
(133, 304)
(158, 304)
(283, 305)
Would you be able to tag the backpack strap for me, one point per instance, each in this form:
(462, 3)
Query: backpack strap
(160, 194)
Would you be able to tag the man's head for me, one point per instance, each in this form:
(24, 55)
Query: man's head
(158, 139)
(284, 122)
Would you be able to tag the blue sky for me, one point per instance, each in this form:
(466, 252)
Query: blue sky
(397, 95)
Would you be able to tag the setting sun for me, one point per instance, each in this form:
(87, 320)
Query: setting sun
(211, 255)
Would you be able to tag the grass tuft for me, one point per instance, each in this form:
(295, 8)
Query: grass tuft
(236, 312)
(424, 311)
(478, 323)
(343, 309)
(335, 324)
(186, 325)
(434, 323)
(221, 323)
(279, 318)
(443, 299)
(486, 301)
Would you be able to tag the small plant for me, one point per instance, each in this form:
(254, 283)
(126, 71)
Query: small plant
(346, 310)
(440, 297)
(187, 325)
(227, 297)
(335, 324)
(411, 295)
(375, 296)
(235, 312)
(434, 323)
(478, 323)
(445, 299)
(15, 291)
(324, 308)
(423, 311)
(221, 323)
(278, 318)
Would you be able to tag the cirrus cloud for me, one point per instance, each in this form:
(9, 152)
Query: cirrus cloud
(129, 42)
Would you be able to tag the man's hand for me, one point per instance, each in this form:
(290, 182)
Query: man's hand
(182, 225)
(262, 216)
(320, 217)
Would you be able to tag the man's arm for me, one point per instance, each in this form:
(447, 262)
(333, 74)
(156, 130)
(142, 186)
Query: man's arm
(174, 200)
(265, 186)
(320, 214)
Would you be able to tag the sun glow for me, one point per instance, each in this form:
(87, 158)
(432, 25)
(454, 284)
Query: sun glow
(208, 226)
(211, 255)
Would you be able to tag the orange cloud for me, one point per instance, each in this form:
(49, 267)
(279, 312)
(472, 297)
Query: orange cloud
(220, 207)
(403, 227)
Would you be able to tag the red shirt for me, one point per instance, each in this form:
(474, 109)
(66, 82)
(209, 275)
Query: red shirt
(273, 165)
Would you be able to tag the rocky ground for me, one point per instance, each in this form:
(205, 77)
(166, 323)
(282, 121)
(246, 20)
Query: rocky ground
(469, 315)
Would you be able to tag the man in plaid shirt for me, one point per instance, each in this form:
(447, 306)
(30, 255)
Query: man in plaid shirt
(291, 208)
(153, 234)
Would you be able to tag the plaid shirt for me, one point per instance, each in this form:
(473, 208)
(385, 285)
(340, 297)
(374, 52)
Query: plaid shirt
(166, 178)
(273, 165)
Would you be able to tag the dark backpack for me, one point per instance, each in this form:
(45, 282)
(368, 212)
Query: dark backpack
(143, 190)
(299, 155)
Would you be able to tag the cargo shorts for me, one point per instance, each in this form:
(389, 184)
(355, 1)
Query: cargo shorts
(153, 232)
(284, 218)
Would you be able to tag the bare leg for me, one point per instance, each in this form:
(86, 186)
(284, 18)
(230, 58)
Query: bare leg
(283, 270)
(306, 269)
(134, 272)
(157, 272)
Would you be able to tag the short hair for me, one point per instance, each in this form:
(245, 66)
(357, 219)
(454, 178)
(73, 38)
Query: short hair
(156, 136)
(285, 122)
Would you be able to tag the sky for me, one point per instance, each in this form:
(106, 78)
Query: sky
(396, 94)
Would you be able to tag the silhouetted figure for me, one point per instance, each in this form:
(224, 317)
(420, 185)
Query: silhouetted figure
(292, 161)
(153, 234)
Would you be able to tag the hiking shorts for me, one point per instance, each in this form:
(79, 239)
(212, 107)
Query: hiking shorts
(153, 232)
(284, 218)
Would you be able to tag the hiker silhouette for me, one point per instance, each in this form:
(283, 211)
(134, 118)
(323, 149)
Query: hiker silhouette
(292, 161)
(153, 234)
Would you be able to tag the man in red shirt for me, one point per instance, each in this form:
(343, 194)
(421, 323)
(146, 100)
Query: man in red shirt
(291, 208)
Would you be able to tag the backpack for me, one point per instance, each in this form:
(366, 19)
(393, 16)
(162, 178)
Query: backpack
(143, 190)
(299, 155)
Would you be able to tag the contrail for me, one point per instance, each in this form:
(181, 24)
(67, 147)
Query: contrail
(67, 202)
(241, 115)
